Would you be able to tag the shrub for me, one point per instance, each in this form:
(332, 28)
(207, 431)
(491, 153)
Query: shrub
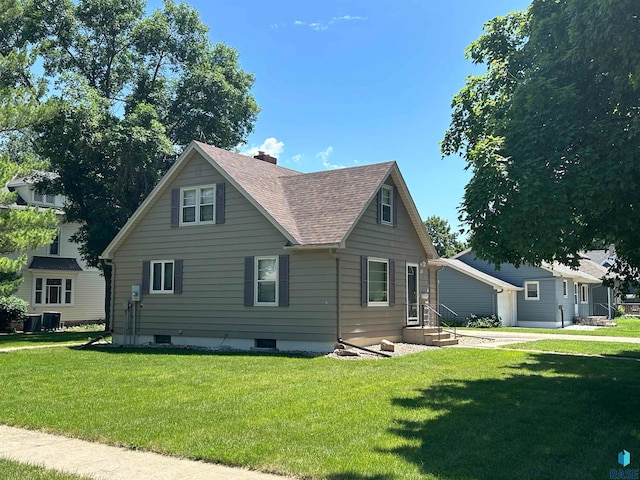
(489, 321)
(619, 312)
(12, 309)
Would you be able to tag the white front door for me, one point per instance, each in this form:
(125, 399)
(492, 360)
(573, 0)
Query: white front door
(412, 294)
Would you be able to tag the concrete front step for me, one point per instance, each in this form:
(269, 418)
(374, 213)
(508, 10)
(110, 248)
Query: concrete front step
(427, 336)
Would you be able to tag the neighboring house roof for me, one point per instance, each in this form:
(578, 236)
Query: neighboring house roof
(604, 257)
(557, 269)
(294, 201)
(462, 267)
(54, 263)
(593, 268)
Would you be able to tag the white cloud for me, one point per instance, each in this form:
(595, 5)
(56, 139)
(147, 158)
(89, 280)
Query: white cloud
(297, 158)
(270, 146)
(324, 156)
(320, 26)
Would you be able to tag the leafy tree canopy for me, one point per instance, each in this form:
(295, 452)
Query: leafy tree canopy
(444, 240)
(551, 132)
(130, 90)
(21, 229)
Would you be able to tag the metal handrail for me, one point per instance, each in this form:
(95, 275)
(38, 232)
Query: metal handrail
(442, 305)
(606, 307)
(439, 317)
(455, 320)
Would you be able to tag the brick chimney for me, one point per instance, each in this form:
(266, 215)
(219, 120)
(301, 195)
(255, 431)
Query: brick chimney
(265, 157)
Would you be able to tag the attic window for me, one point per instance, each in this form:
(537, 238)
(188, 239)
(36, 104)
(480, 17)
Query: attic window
(197, 205)
(44, 199)
(386, 205)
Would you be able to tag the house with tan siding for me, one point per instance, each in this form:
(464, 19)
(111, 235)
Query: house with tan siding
(235, 251)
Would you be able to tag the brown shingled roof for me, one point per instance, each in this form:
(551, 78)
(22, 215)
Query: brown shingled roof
(298, 201)
(310, 209)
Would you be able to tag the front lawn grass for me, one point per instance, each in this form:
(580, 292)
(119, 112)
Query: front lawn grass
(80, 334)
(627, 327)
(442, 414)
(616, 349)
(21, 471)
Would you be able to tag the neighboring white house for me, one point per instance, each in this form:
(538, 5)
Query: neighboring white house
(55, 278)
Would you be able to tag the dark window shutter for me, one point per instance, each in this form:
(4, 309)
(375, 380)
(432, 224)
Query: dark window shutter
(364, 268)
(219, 202)
(395, 207)
(283, 281)
(392, 282)
(248, 281)
(177, 276)
(175, 207)
(146, 271)
(379, 206)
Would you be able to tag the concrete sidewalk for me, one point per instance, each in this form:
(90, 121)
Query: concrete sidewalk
(506, 338)
(103, 462)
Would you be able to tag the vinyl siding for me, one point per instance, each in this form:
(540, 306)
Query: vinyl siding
(507, 272)
(212, 299)
(546, 308)
(88, 290)
(465, 295)
(366, 325)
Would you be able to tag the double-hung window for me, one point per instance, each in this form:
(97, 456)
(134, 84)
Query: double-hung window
(161, 278)
(386, 205)
(532, 290)
(378, 282)
(266, 278)
(565, 288)
(53, 291)
(197, 205)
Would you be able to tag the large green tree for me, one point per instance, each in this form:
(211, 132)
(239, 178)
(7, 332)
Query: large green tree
(551, 132)
(444, 240)
(133, 89)
(21, 229)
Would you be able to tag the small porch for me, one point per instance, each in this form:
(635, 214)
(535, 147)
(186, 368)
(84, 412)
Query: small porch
(428, 326)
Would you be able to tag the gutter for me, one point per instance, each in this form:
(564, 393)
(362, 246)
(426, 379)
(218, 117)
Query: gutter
(321, 246)
(338, 295)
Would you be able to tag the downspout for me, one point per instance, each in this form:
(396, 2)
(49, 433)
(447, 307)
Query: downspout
(333, 253)
(109, 262)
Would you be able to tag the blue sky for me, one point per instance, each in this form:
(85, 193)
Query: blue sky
(352, 82)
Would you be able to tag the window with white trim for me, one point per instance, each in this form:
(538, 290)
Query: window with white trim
(161, 276)
(266, 281)
(197, 205)
(378, 282)
(532, 290)
(584, 293)
(52, 291)
(386, 205)
(565, 288)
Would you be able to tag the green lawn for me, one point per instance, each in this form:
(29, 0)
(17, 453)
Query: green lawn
(446, 414)
(627, 327)
(80, 334)
(590, 348)
(19, 471)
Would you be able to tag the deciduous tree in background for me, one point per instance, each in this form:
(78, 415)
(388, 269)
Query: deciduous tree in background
(551, 133)
(20, 108)
(132, 89)
(444, 240)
